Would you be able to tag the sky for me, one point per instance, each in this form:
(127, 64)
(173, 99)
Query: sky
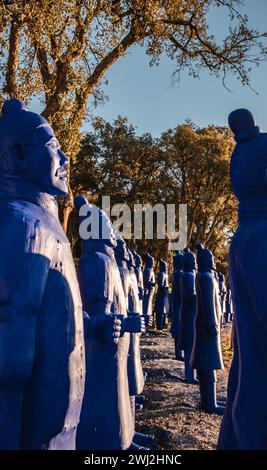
(146, 96)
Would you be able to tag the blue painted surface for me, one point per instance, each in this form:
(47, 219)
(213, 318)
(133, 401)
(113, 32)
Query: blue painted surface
(106, 419)
(149, 288)
(41, 333)
(222, 292)
(162, 297)
(188, 311)
(176, 298)
(247, 272)
(125, 264)
(206, 356)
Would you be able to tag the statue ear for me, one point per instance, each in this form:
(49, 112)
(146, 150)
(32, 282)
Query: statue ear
(19, 155)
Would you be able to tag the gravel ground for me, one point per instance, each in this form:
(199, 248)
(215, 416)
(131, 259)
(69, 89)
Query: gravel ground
(171, 407)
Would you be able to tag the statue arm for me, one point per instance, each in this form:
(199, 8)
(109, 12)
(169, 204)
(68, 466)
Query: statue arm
(189, 284)
(252, 265)
(161, 280)
(101, 321)
(151, 281)
(96, 285)
(206, 287)
(25, 262)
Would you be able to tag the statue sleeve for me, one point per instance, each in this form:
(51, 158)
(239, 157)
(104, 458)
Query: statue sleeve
(252, 260)
(25, 261)
(189, 284)
(97, 285)
(206, 288)
(160, 280)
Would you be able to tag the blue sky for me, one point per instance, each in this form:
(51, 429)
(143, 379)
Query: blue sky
(147, 98)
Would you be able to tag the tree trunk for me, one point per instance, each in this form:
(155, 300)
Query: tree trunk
(65, 217)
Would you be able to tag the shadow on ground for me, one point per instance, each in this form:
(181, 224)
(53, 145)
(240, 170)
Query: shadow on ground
(171, 407)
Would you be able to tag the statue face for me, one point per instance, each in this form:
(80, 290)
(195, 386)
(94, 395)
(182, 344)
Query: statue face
(43, 163)
(122, 251)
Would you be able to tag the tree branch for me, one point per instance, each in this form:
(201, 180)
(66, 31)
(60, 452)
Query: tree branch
(11, 87)
(99, 72)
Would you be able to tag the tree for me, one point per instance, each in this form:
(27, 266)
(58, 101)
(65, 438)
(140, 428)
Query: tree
(186, 165)
(60, 51)
(196, 168)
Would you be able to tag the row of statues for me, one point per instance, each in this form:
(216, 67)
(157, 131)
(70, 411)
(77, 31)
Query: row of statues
(114, 375)
(196, 322)
(200, 303)
(70, 364)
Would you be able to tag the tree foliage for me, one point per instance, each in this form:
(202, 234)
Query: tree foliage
(185, 165)
(61, 50)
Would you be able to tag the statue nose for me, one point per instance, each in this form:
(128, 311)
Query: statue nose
(64, 161)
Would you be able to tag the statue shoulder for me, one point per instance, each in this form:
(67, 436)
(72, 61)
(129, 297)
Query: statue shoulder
(27, 219)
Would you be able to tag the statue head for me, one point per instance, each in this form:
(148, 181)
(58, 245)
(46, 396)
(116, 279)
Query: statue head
(131, 262)
(243, 125)
(178, 260)
(94, 225)
(205, 259)
(163, 267)
(121, 250)
(138, 260)
(189, 260)
(241, 120)
(30, 150)
(149, 261)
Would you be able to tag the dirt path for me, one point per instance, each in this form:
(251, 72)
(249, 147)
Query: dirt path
(171, 409)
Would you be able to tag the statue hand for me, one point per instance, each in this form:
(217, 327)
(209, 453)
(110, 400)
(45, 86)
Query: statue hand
(106, 327)
(113, 329)
(213, 330)
(141, 294)
(149, 320)
(135, 323)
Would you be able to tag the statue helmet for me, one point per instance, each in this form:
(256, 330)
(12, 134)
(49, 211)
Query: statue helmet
(241, 120)
(121, 251)
(138, 260)
(205, 259)
(149, 261)
(16, 123)
(189, 260)
(178, 260)
(98, 227)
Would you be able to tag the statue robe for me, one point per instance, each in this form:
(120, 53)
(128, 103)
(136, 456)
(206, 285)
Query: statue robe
(106, 419)
(42, 366)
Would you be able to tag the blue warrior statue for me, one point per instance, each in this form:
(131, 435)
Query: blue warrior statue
(106, 420)
(149, 287)
(162, 296)
(139, 277)
(222, 293)
(228, 304)
(246, 407)
(135, 371)
(188, 312)
(176, 299)
(206, 355)
(129, 283)
(42, 367)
